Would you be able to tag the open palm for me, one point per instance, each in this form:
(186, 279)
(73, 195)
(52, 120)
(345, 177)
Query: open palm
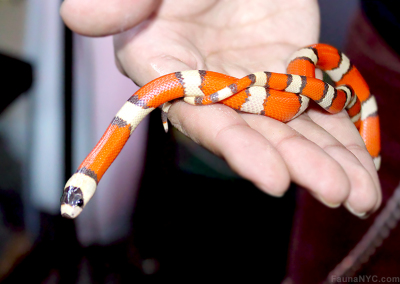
(324, 153)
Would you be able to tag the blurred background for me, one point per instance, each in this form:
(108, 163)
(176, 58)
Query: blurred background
(59, 93)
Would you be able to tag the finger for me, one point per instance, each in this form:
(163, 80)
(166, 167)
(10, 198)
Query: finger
(143, 62)
(104, 17)
(221, 130)
(363, 195)
(367, 192)
(308, 165)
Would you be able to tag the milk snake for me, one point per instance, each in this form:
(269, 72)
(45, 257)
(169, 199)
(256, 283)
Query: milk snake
(280, 96)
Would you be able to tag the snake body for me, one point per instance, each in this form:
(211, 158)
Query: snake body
(280, 96)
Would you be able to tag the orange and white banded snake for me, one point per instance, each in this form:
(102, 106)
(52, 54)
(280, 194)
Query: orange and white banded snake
(280, 96)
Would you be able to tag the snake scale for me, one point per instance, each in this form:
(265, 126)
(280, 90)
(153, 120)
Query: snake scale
(280, 96)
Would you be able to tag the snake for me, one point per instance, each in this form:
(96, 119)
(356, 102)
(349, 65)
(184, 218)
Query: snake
(276, 95)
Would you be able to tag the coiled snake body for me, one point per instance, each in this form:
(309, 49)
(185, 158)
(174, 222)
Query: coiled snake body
(280, 96)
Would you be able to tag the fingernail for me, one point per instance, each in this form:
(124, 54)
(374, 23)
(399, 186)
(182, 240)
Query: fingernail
(331, 205)
(362, 215)
(267, 190)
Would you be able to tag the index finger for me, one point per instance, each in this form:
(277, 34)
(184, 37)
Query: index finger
(224, 132)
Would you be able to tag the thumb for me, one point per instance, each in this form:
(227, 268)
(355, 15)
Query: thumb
(105, 17)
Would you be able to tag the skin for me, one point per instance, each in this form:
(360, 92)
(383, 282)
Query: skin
(321, 152)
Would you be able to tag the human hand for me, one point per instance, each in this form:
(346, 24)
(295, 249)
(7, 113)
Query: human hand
(321, 152)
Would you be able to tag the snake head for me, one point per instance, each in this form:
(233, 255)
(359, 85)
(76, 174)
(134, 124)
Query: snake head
(71, 202)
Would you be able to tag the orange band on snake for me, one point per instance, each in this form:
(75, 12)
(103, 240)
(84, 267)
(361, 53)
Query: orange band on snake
(280, 96)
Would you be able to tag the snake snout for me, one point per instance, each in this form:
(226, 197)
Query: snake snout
(69, 211)
(65, 215)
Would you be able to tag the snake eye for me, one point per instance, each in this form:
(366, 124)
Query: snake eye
(79, 203)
